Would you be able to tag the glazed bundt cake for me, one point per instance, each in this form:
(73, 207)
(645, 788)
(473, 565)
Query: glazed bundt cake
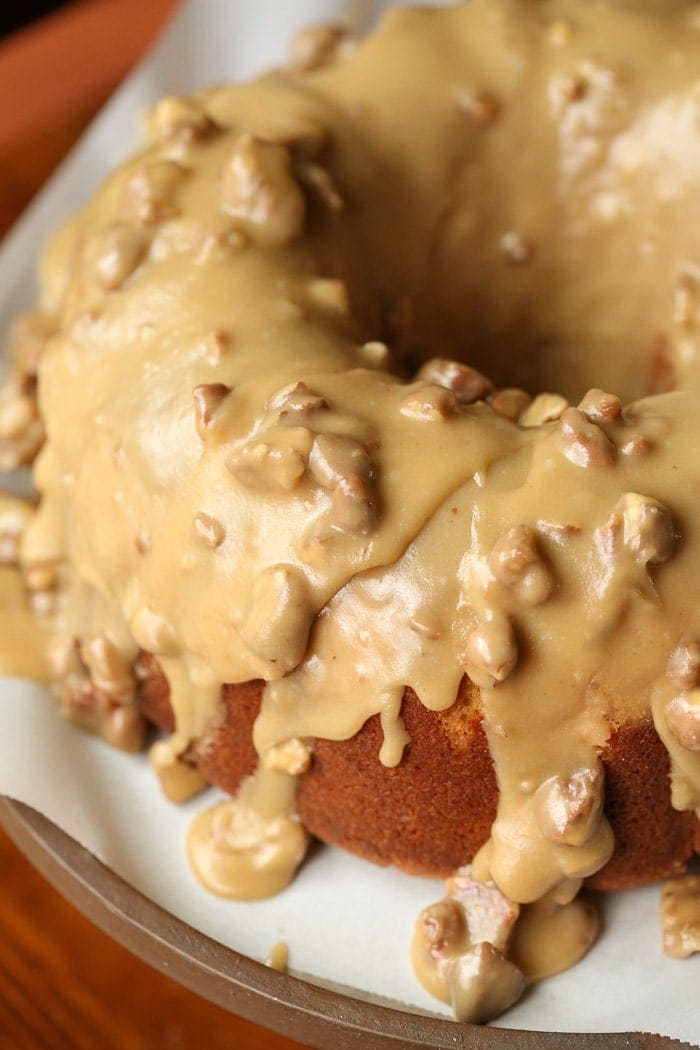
(334, 493)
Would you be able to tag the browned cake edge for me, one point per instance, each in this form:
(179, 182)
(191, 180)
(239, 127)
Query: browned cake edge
(430, 814)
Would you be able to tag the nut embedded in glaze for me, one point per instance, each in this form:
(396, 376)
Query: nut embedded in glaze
(150, 194)
(683, 667)
(491, 654)
(683, 718)
(680, 916)
(275, 462)
(177, 120)
(459, 950)
(517, 564)
(428, 403)
(466, 383)
(258, 188)
(648, 530)
(277, 625)
(584, 443)
(599, 407)
(545, 408)
(319, 45)
(334, 458)
(569, 809)
(208, 399)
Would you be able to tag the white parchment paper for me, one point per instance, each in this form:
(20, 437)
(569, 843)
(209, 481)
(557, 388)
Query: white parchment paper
(111, 802)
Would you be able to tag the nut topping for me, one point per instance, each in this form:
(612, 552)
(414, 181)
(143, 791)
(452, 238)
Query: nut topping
(305, 136)
(277, 625)
(482, 107)
(458, 950)
(21, 429)
(491, 916)
(545, 408)
(114, 253)
(208, 399)
(569, 809)
(29, 334)
(353, 506)
(121, 727)
(683, 718)
(178, 120)
(680, 916)
(375, 354)
(334, 458)
(330, 294)
(210, 531)
(647, 528)
(684, 664)
(15, 516)
(63, 656)
(292, 757)
(444, 927)
(428, 403)
(214, 346)
(483, 984)
(636, 445)
(319, 45)
(150, 192)
(466, 383)
(517, 564)
(259, 188)
(110, 715)
(41, 575)
(277, 461)
(153, 632)
(511, 402)
(322, 184)
(108, 669)
(492, 653)
(599, 407)
(583, 443)
(294, 405)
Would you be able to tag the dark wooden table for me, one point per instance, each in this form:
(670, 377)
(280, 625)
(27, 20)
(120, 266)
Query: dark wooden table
(64, 985)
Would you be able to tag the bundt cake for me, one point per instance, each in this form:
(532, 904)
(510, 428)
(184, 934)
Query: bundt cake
(334, 493)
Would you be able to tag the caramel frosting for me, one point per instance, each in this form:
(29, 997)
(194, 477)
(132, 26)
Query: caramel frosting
(24, 634)
(272, 451)
(680, 916)
(278, 957)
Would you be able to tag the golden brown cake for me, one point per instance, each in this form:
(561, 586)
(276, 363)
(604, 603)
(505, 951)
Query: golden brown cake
(310, 503)
(409, 815)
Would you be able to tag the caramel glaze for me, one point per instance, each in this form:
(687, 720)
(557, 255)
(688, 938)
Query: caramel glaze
(23, 645)
(24, 632)
(245, 476)
(407, 815)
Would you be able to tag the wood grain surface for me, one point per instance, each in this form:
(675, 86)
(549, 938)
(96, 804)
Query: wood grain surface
(55, 75)
(64, 985)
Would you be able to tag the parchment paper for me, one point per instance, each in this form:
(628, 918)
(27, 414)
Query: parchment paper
(345, 921)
